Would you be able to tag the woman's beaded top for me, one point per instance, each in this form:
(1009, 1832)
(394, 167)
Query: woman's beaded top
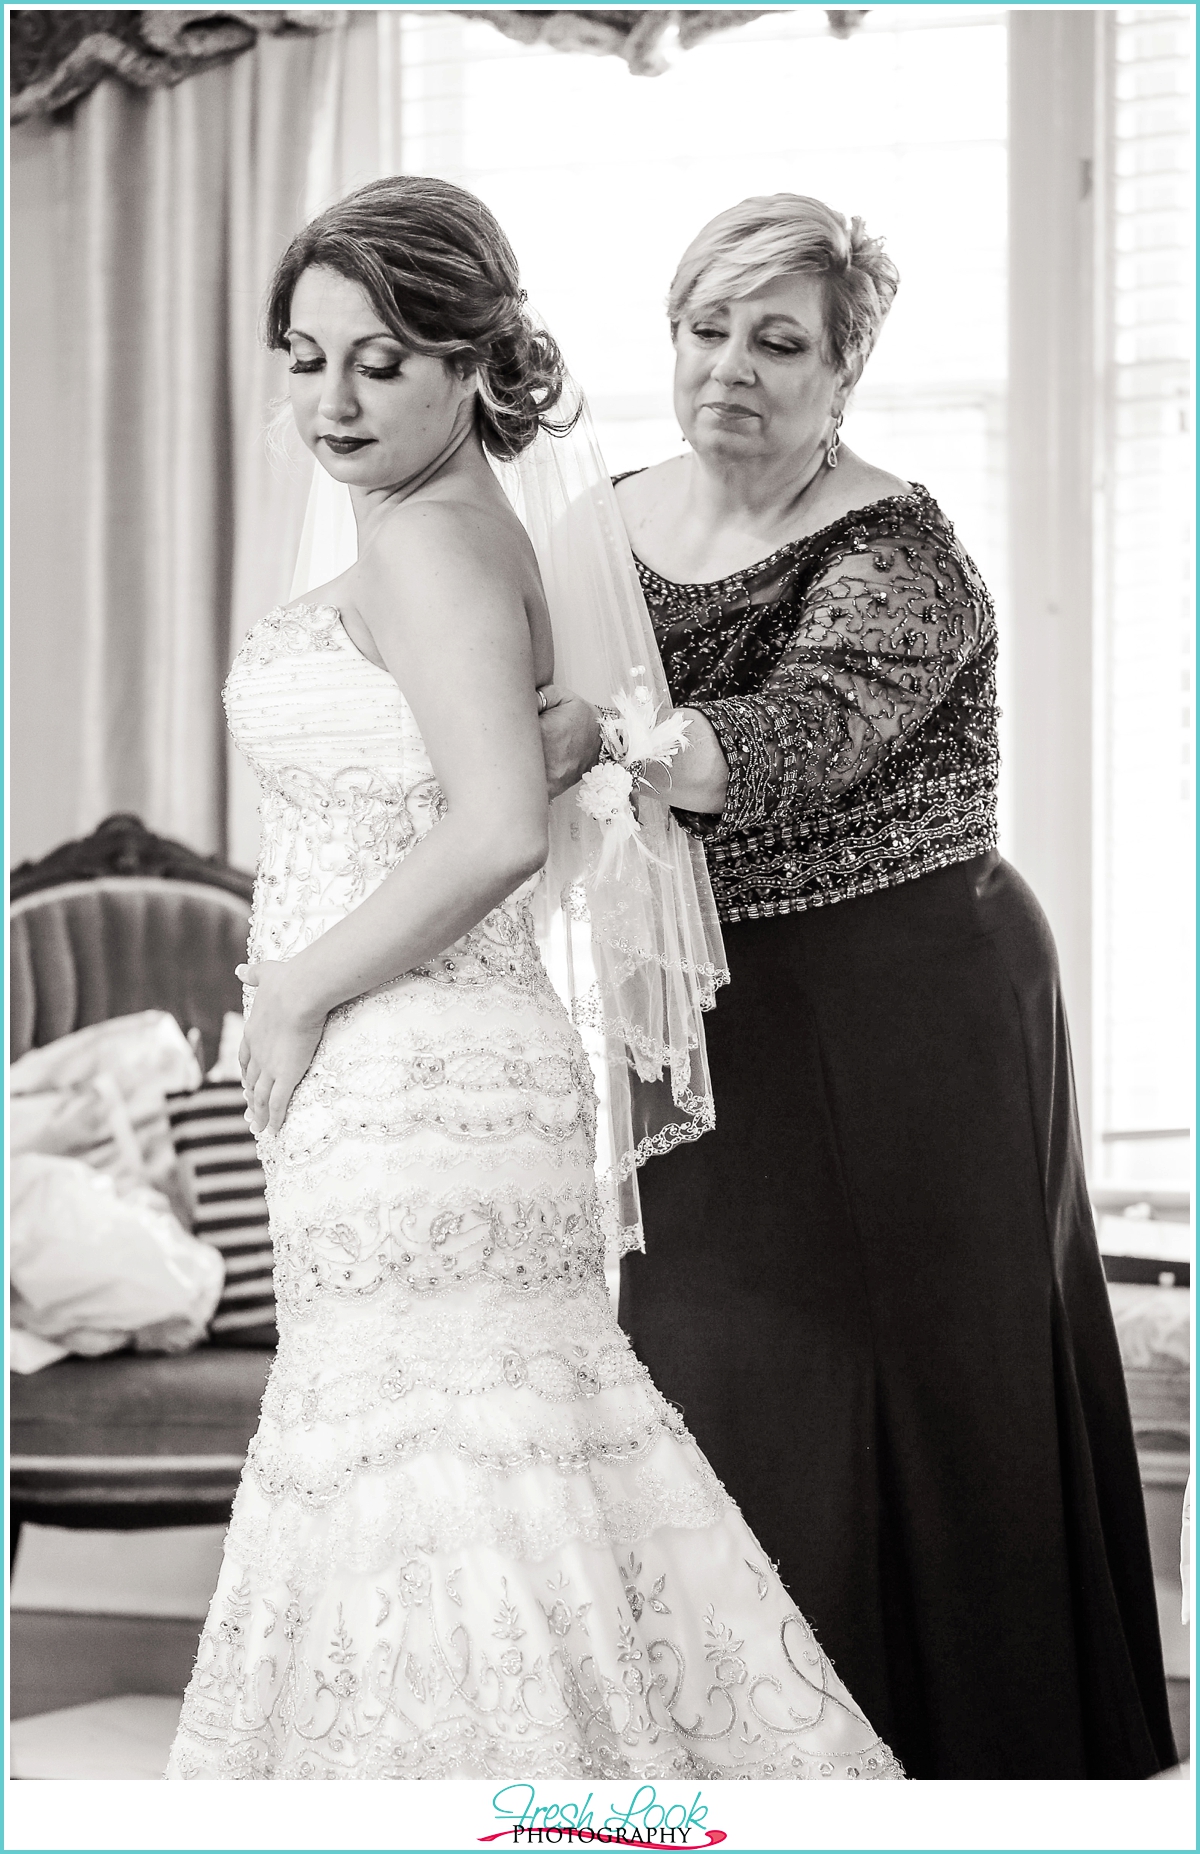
(850, 678)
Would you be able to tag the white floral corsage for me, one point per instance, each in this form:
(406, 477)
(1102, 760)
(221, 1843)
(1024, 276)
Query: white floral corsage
(632, 738)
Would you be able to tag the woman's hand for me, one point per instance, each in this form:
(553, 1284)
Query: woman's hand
(281, 1036)
(570, 738)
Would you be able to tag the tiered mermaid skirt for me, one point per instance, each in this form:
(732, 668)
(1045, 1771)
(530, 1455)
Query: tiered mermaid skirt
(472, 1540)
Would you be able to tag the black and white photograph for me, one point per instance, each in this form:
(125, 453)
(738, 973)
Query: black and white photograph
(600, 821)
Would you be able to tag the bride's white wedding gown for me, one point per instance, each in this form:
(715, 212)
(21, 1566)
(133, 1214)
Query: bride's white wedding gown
(471, 1539)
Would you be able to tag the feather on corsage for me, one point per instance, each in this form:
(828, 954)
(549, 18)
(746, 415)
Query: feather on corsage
(633, 738)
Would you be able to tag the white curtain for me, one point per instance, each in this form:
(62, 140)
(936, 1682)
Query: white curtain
(150, 525)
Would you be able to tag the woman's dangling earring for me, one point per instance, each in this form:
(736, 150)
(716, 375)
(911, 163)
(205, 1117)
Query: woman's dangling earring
(835, 443)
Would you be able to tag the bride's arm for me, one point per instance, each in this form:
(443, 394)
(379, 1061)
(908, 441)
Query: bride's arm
(441, 596)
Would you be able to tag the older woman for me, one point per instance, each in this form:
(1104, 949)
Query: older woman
(875, 1290)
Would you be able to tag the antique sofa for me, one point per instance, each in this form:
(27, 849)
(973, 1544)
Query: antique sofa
(117, 922)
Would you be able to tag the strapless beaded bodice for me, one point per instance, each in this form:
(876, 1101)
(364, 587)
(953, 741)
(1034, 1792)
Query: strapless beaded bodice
(347, 788)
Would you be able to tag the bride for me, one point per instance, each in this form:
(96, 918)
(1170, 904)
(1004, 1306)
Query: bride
(471, 1539)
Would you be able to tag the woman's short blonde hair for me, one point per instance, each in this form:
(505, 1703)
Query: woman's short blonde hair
(782, 235)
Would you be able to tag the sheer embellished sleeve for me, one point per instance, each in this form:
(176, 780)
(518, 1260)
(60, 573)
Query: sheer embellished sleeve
(881, 633)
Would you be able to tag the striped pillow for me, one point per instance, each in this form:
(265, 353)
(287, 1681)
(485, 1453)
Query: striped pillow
(220, 1167)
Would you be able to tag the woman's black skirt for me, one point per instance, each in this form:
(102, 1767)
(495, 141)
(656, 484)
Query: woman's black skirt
(876, 1295)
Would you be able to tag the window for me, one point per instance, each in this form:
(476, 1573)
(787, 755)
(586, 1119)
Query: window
(1144, 711)
(601, 180)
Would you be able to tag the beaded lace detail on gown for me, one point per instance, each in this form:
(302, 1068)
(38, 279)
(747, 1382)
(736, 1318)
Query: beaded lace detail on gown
(471, 1538)
(851, 680)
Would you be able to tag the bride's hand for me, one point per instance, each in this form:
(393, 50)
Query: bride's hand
(280, 1039)
(570, 738)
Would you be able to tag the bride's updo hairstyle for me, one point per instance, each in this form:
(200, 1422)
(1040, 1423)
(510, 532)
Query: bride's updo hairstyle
(440, 273)
(782, 235)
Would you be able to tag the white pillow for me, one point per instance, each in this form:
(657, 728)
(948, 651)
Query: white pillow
(91, 1269)
(27, 1353)
(132, 1063)
(74, 1123)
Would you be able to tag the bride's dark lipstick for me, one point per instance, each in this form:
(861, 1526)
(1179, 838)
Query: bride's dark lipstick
(344, 447)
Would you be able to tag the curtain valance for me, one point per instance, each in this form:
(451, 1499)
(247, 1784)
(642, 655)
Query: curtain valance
(57, 55)
(634, 34)
(60, 54)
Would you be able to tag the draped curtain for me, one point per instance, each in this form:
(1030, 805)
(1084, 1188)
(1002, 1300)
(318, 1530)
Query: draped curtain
(151, 523)
(58, 54)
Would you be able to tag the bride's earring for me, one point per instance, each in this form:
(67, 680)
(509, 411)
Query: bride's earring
(835, 443)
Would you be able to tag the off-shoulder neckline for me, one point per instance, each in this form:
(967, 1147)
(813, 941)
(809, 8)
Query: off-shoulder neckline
(917, 493)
